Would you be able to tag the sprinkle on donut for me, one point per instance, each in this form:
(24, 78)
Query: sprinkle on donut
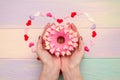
(60, 40)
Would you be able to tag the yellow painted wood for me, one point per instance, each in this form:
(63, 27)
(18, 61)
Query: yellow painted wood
(12, 43)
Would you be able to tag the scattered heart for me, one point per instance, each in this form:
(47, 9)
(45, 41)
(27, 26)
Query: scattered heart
(31, 44)
(38, 58)
(26, 37)
(49, 15)
(59, 20)
(28, 23)
(94, 34)
(73, 14)
(86, 48)
(32, 17)
(93, 26)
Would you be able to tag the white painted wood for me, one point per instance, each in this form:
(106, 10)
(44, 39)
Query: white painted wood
(30, 69)
(107, 43)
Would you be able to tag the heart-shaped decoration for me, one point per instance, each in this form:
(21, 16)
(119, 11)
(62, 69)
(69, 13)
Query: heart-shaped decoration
(32, 17)
(73, 14)
(31, 44)
(86, 48)
(94, 34)
(49, 15)
(38, 58)
(93, 26)
(28, 23)
(59, 20)
(26, 37)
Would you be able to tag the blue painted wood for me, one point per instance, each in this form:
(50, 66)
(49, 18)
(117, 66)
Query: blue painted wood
(29, 69)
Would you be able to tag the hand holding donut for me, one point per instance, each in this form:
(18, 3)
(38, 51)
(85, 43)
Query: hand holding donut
(51, 64)
(69, 65)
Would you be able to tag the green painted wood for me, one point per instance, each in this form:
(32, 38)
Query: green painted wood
(29, 69)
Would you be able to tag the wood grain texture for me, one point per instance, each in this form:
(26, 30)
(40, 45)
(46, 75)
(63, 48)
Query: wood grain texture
(107, 43)
(105, 12)
(29, 69)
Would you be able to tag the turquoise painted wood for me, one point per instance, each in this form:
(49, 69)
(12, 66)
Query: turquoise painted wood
(29, 69)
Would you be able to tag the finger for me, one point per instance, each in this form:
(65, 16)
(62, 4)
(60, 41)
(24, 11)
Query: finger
(41, 51)
(39, 37)
(74, 27)
(46, 27)
(81, 46)
(39, 43)
(81, 37)
(80, 43)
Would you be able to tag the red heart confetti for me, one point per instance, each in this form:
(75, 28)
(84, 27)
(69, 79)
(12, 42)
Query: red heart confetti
(94, 34)
(31, 44)
(26, 37)
(49, 15)
(73, 14)
(59, 20)
(38, 58)
(86, 48)
(28, 23)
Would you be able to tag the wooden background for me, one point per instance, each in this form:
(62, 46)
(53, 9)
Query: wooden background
(18, 63)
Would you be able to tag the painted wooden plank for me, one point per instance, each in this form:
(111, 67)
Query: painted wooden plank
(30, 69)
(106, 13)
(107, 43)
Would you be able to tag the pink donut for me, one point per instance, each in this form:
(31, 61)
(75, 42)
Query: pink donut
(60, 40)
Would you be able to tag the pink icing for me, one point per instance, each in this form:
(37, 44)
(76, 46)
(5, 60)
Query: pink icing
(60, 40)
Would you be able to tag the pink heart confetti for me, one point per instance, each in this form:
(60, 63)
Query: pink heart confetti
(86, 48)
(31, 44)
(49, 14)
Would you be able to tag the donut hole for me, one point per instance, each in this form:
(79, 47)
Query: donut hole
(60, 39)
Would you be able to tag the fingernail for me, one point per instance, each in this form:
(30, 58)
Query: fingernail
(81, 37)
(38, 37)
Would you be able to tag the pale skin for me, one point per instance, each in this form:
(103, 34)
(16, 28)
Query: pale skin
(69, 65)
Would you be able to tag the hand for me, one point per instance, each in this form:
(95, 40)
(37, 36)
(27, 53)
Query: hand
(51, 64)
(70, 65)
